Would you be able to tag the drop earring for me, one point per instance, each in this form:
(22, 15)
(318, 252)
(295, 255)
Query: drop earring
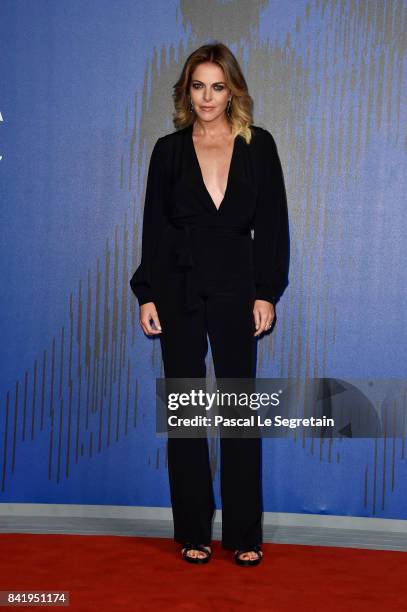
(228, 107)
(191, 106)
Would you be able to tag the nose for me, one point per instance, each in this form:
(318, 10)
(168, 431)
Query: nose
(207, 95)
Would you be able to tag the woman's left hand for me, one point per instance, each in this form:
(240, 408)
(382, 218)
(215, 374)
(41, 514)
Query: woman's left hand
(264, 315)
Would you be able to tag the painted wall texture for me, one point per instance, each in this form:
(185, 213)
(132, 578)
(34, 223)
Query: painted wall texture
(86, 92)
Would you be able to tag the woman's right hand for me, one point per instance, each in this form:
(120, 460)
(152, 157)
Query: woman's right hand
(148, 311)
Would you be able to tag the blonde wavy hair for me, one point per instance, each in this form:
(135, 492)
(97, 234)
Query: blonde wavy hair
(240, 114)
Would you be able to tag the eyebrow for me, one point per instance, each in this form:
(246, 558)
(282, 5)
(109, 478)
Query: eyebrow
(216, 83)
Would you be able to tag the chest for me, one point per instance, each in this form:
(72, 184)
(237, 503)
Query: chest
(214, 162)
(212, 185)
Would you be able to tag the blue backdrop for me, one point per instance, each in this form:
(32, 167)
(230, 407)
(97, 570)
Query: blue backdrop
(86, 91)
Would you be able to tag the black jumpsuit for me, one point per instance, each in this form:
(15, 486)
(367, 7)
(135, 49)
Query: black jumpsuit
(203, 270)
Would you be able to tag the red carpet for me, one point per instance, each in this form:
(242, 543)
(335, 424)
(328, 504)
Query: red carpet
(109, 573)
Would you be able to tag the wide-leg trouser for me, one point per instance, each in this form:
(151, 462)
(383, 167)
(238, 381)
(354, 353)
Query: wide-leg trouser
(225, 314)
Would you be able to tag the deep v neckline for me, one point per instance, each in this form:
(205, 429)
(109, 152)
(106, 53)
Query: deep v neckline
(217, 208)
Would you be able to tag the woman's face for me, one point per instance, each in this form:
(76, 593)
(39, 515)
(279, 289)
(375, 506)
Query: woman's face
(208, 91)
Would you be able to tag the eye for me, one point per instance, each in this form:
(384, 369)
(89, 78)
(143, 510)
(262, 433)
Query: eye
(216, 87)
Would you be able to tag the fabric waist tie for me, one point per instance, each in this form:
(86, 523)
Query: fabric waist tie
(185, 258)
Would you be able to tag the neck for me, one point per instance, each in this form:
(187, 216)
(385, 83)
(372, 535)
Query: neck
(211, 128)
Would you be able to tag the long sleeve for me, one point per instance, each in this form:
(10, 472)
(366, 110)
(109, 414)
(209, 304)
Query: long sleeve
(154, 218)
(271, 231)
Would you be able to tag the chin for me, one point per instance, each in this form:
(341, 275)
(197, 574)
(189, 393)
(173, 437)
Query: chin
(208, 116)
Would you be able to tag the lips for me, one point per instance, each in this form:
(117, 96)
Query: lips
(207, 108)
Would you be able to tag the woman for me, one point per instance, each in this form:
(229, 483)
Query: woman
(202, 274)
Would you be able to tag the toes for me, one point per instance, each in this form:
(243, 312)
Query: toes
(194, 553)
(244, 556)
(251, 555)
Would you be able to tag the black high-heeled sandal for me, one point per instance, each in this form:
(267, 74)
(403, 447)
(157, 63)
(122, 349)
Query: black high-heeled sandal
(257, 549)
(189, 546)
